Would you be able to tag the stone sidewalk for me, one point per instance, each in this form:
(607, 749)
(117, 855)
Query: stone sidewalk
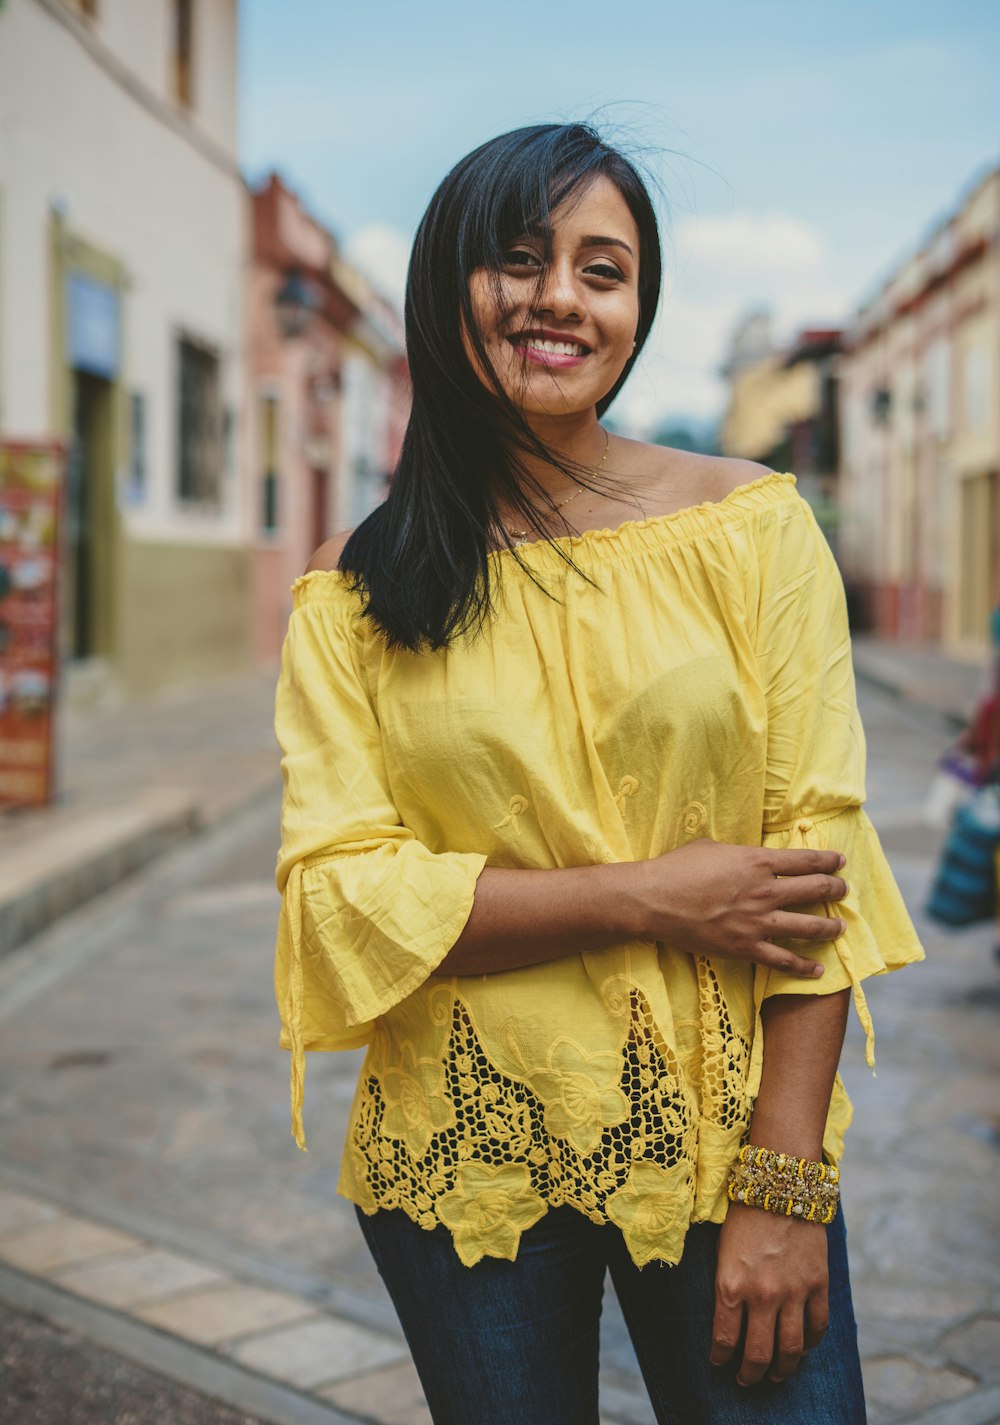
(950, 687)
(136, 780)
(270, 1352)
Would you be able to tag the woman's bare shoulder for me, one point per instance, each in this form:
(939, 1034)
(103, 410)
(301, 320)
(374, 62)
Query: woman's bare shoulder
(725, 473)
(718, 475)
(328, 554)
(675, 479)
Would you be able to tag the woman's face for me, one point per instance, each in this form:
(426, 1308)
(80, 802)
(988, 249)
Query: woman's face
(558, 332)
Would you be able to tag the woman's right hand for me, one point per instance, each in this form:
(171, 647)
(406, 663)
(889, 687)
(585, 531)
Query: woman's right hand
(733, 902)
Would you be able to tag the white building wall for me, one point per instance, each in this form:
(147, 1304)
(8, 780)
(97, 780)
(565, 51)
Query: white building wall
(365, 415)
(143, 183)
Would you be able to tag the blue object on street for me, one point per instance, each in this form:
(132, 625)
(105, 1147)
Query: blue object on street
(965, 886)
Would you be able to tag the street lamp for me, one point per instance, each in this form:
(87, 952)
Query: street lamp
(295, 302)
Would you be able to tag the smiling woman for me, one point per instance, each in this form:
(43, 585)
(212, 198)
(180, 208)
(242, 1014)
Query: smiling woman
(533, 284)
(571, 759)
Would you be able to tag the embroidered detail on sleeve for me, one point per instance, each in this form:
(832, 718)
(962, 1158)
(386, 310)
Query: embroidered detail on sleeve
(627, 787)
(693, 818)
(518, 806)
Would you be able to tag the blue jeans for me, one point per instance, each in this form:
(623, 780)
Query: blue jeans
(516, 1343)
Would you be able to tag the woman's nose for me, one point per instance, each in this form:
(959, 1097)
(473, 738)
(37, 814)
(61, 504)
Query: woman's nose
(559, 292)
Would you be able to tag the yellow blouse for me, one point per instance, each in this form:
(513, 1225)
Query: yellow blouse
(701, 685)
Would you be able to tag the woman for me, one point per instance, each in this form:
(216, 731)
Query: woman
(571, 751)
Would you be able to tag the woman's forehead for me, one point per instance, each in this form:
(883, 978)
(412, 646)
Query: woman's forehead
(595, 207)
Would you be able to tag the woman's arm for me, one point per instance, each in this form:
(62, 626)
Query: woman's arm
(707, 898)
(772, 1270)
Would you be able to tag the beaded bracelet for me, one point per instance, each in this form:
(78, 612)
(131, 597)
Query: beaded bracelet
(791, 1187)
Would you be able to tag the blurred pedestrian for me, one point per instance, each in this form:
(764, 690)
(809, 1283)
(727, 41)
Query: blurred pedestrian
(965, 797)
(571, 752)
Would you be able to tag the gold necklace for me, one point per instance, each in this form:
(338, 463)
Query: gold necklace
(520, 536)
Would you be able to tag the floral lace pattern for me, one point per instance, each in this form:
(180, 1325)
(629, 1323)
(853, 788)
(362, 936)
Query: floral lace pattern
(614, 1135)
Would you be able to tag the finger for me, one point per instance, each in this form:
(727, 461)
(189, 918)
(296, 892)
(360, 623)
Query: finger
(787, 925)
(759, 1347)
(803, 861)
(817, 1319)
(726, 1327)
(808, 890)
(791, 1339)
(775, 957)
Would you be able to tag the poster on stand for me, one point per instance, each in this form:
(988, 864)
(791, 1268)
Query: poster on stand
(30, 485)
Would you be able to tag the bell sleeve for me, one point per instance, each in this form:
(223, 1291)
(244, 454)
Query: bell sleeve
(815, 777)
(368, 912)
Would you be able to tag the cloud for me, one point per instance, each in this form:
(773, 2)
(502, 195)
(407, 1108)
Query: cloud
(382, 252)
(747, 243)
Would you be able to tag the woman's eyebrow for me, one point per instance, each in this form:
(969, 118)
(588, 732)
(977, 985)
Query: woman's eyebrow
(606, 242)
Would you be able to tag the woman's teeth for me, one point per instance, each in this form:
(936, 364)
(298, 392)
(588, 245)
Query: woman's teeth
(554, 348)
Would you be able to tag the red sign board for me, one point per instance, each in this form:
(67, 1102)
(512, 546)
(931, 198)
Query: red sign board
(30, 486)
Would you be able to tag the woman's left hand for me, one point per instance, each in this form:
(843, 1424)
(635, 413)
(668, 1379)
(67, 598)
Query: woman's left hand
(772, 1271)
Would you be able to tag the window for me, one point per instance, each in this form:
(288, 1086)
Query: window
(182, 37)
(269, 463)
(976, 393)
(136, 447)
(199, 433)
(937, 388)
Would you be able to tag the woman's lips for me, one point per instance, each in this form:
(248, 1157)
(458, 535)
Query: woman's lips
(541, 351)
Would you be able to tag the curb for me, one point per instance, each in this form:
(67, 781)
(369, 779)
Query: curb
(955, 718)
(81, 854)
(943, 687)
(185, 1363)
(979, 1407)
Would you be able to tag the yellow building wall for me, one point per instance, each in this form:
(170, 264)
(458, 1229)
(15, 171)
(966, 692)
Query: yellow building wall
(763, 401)
(185, 617)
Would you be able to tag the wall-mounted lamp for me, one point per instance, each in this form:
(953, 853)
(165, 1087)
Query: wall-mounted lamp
(296, 302)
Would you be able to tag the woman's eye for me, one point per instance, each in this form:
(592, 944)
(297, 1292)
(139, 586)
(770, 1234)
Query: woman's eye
(519, 257)
(605, 269)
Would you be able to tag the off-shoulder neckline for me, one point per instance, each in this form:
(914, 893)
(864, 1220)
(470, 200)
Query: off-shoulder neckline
(688, 514)
(687, 520)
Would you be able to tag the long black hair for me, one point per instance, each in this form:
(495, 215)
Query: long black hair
(421, 560)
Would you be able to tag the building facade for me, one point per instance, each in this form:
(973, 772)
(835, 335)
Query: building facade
(296, 319)
(326, 399)
(123, 253)
(920, 463)
(782, 408)
(376, 399)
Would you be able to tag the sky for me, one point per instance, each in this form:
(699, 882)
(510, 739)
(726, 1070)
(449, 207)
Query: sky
(801, 150)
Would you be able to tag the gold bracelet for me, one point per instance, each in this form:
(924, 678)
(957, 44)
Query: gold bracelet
(788, 1186)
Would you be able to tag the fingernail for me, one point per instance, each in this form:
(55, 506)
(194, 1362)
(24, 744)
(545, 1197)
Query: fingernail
(843, 860)
(817, 971)
(847, 888)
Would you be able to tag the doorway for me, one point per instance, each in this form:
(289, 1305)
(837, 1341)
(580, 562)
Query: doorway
(88, 507)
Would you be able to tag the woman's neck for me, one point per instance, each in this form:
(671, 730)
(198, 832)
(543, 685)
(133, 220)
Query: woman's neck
(575, 440)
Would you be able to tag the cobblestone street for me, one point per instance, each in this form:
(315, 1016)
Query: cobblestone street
(153, 1205)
